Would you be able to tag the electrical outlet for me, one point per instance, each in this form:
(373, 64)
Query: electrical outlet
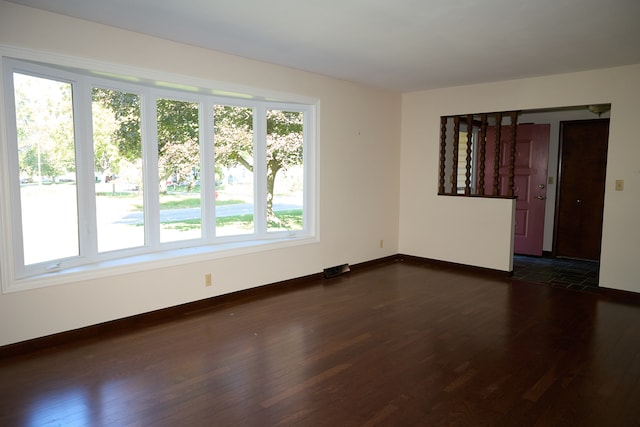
(381, 243)
(619, 184)
(207, 279)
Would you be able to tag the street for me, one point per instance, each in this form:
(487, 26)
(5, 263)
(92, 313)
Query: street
(173, 215)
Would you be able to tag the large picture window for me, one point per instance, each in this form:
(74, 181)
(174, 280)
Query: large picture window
(102, 169)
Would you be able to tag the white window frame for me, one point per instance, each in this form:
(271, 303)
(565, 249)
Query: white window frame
(150, 86)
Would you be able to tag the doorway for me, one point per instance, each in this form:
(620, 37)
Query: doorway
(530, 178)
(581, 185)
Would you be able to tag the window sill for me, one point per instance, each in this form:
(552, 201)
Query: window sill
(151, 261)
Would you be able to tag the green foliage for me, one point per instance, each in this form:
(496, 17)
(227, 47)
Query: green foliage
(181, 203)
(177, 121)
(171, 202)
(29, 160)
(291, 219)
(44, 120)
(126, 111)
(119, 195)
(182, 225)
(106, 125)
(178, 149)
(284, 138)
(178, 137)
(233, 136)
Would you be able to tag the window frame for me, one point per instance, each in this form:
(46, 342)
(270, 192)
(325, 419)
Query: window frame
(150, 86)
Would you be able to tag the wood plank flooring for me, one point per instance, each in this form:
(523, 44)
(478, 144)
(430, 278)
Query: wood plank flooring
(401, 344)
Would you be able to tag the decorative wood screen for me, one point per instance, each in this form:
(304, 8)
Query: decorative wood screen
(467, 160)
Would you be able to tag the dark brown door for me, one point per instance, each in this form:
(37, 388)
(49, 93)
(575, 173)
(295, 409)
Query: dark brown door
(581, 185)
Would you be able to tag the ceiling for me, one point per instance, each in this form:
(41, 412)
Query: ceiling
(399, 45)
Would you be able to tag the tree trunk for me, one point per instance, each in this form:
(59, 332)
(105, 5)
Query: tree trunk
(272, 171)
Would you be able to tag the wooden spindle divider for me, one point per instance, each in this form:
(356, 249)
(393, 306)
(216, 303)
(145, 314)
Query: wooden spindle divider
(479, 154)
(496, 159)
(456, 141)
(443, 152)
(483, 154)
(467, 181)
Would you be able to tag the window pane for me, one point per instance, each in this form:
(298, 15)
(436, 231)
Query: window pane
(285, 181)
(46, 147)
(118, 169)
(179, 170)
(234, 170)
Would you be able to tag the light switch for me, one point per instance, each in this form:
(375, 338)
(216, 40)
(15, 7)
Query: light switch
(550, 180)
(619, 184)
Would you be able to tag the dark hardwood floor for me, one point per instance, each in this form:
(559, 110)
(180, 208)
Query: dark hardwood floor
(401, 344)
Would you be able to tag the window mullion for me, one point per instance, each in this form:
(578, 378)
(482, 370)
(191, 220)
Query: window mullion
(149, 136)
(85, 178)
(309, 167)
(260, 169)
(207, 171)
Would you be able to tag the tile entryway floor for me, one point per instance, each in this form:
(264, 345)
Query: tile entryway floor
(557, 272)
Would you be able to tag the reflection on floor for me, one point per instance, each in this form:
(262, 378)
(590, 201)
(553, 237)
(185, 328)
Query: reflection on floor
(557, 272)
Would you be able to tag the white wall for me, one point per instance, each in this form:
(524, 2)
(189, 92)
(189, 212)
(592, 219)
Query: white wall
(481, 233)
(359, 139)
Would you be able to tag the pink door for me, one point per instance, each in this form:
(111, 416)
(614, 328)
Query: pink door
(530, 179)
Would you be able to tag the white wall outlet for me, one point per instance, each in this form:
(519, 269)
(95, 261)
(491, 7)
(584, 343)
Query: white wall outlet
(208, 281)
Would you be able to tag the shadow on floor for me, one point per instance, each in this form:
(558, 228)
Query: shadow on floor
(557, 272)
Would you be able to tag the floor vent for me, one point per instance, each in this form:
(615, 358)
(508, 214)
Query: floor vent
(336, 271)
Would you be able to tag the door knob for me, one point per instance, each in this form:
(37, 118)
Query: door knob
(540, 197)
(579, 201)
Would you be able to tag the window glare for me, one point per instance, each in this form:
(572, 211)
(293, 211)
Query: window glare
(233, 170)
(117, 169)
(46, 148)
(284, 170)
(179, 170)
